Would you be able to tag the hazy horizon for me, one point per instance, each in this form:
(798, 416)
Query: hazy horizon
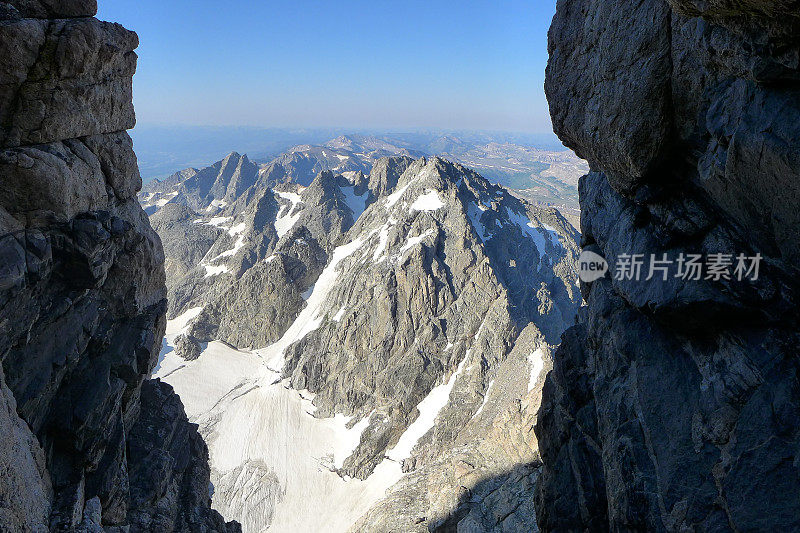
(165, 149)
(348, 65)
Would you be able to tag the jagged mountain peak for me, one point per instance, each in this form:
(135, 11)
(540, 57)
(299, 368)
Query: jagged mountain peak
(342, 141)
(234, 155)
(211, 188)
(385, 173)
(397, 190)
(383, 296)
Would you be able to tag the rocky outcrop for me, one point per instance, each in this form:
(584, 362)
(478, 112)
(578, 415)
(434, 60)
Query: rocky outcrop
(483, 481)
(169, 474)
(674, 403)
(185, 243)
(82, 294)
(26, 490)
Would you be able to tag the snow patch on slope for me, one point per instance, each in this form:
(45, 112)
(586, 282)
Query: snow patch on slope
(474, 214)
(429, 201)
(218, 221)
(285, 219)
(428, 409)
(485, 399)
(164, 201)
(536, 362)
(215, 270)
(356, 203)
(312, 314)
(348, 439)
(383, 240)
(413, 241)
(175, 327)
(239, 229)
(395, 196)
(528, 228)
(339, 315)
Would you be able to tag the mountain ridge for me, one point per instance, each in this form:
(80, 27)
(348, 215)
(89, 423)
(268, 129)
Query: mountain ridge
(544, 175)
(343, 290)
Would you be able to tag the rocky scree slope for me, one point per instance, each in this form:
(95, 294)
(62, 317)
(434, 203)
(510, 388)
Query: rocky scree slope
(395, 323)
(87, 442)
(675, 404)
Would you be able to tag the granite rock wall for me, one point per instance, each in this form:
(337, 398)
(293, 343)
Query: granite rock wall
(674, 404)
(82, 293)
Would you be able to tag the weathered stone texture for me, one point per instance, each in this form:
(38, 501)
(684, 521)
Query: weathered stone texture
(22, 464)
(62, 79)
(82, 290)
(619, 90)
(674, 403)
(169, 474)
(48, 9)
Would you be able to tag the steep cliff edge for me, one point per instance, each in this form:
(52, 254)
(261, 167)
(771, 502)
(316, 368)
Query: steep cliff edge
(85, 441)
(674, 404)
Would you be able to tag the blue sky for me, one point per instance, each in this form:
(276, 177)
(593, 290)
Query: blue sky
(359, 63)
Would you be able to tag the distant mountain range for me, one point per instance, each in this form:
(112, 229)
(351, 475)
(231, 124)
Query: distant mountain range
(346, 322)
(547, 175)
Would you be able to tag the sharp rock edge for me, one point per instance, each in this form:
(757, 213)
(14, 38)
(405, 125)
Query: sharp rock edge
(87, 441)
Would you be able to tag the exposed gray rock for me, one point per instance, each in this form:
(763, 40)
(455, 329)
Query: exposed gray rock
(188, 347)
(92, 517)
(185, 243)
(64, 79)
(25, 493)
(209, 189)
(302, 163)
(377, 290)
(169, 474)
(673, 404)
(621, 88)
(482, 483)
(48, 9)
(82, 293)
(70, 177)
(261, 489)
(403, 305)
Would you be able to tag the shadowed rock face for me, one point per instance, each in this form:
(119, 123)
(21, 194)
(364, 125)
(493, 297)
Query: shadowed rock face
(674, 404)
(82, 293)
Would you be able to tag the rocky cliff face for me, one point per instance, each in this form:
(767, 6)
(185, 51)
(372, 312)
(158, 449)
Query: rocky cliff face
(674, 404)
(85, 441)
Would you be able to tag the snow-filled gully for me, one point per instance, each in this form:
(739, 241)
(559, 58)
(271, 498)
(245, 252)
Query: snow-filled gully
(248, 415)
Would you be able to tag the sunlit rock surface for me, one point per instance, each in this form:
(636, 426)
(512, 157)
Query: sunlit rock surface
(361, 334)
